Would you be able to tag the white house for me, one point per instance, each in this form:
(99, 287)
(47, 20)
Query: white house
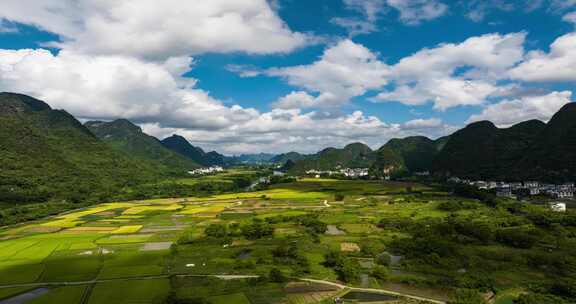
(558, 207)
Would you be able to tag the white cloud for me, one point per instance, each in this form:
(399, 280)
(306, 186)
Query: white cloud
(423, 123)
(345, 70)
(107, 87)
(355, 26)
(557, 65)
(413, 12)
(509, 112)
(157, 97)
(570, 18)
(145, 28)
(292, 130)
(455, 74)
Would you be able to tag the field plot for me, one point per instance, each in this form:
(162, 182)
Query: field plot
(351, 232)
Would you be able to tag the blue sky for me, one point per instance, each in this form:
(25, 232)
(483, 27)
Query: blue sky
(276, 76)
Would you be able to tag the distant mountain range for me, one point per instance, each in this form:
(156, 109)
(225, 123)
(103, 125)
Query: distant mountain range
(46, 152)
(531, 150)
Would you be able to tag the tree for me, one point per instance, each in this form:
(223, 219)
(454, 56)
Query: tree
(468, 296)
(257, 230)
(216, 231)
(384, 259)
(380, 273)
(349, 271)
(277, 276)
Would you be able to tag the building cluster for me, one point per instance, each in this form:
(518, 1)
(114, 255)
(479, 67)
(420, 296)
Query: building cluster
(503, 189)
(206, 171)
(348, 172)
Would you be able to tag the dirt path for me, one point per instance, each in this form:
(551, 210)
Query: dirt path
(390, 292)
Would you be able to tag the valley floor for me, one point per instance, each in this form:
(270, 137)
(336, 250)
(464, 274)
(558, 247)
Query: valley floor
(207, 249)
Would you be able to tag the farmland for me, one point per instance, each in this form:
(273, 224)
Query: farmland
(168, 250)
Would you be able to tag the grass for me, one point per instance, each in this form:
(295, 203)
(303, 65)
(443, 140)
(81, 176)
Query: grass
(236, 298)
(127, 229)
(143, 291)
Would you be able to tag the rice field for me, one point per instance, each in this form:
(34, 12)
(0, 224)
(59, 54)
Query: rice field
(132, 243)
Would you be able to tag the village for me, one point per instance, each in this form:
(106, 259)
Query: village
(347, 172)
(528, 188)
(206, 171)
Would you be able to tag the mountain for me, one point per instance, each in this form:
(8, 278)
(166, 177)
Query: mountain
(48, 154)
(251, 159)
(126, 137)
(182, 146)
(356, 155)
(553, 155)
(413, 154)
(283, 158)
(483, 151)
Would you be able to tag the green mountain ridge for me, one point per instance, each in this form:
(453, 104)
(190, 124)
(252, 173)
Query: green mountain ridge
(48, 154)
(182, 146)
(355, 155)
(531, 150)
(127, 137)
(413, 154)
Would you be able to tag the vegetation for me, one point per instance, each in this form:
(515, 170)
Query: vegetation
(380, 235)
(354, 155)
(126, 137)
(526, 151)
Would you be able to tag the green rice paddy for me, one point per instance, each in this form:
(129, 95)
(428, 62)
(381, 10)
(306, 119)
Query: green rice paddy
(128, 253)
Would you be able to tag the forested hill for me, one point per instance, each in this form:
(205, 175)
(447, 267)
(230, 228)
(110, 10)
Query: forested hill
(126, 137)
(48, 154)
(356, 155)
(182, 146)
(553, 154)
(411, 154)
(528, 150)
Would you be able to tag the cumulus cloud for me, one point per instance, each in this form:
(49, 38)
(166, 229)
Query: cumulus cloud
(423, 123)
(477, 10)
(557, 65)
(509, 112)
(157, 97)
(570, 18)
(455, 74)
(143, 28)
(345, 70)
(411, 12)
(293, 130)
(108, 87)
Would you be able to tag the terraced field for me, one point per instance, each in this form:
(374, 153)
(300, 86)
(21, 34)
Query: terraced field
(158, 251)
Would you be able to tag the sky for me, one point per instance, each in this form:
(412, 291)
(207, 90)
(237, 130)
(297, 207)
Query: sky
(250, 76)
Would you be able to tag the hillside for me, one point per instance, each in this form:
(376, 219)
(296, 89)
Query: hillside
(356, 155)
(481, 150)
(47, 154)
(182, 146)
(413, 154)
(126, 137)
(292, 156)
(553, 154)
